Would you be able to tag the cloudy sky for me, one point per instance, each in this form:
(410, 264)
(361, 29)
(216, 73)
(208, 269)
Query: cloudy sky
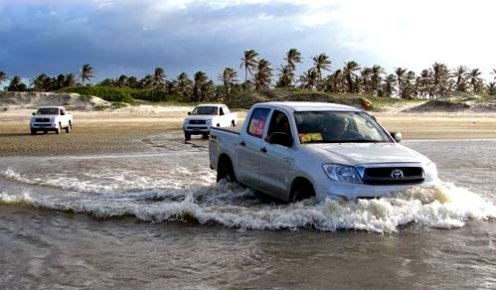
(134, 36)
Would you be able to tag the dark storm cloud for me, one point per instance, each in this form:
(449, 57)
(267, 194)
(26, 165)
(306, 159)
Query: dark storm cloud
(135, 37)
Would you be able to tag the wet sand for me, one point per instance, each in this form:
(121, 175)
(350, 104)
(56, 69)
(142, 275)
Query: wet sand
(104, 132)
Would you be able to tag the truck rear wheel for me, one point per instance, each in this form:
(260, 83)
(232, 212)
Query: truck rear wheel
(33, 132)
(225, 170)
(187, 136)
(57, 131)
(68, 128)
(301, 189)
(205, 136)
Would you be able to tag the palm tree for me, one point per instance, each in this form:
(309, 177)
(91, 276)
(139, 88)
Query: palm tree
(200, 81)
(377, 72)
(400, 78)
(249, 62)
(86, 73)
(263, 75)
(16, 85)
(349, 71)
(146, 82)
(475, 80)
(3, 77)
(158, 78)
(184, 85)
(461, 78)
(321, 62)
(366, 74)
(424, 83)
(228, 77)
(293, 56)
(440, 78)
(309, 79)
(123, 81)
(389, 85)
(493, 72)
(41, 83)
(70, 80)
(491, 89)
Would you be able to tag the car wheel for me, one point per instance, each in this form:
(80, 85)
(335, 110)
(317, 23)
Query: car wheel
(225, 171)
(205, 136)
(58, 129)
(187, 136)
(68, 128)
(233, 123)
(302, 189)
(33, 132)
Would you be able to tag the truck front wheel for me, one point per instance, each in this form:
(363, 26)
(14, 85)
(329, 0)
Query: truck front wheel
(225, 170)
(33, 132)
(301, 189)
(187, 136)
(68, 128)
(57, 131)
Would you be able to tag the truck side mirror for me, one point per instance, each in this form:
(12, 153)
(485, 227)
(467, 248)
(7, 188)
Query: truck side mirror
(221, 113)
(189, 113)
(281, 138)
(397, 136)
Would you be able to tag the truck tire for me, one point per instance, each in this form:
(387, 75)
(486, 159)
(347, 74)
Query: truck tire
(205, 136)
(301, 189)
(225, 170)
(68, 128)
(58, 129)
(33, 132)
(187, 136)
(233, 123)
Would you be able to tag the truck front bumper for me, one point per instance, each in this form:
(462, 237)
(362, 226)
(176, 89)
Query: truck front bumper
(196, 130)
(44, 126)
(338, 190)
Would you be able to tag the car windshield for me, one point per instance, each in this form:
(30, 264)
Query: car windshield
(47, 111)
(338, 127)
(205, 111)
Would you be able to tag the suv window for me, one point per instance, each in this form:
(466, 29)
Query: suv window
(279, 124)
(257, 122)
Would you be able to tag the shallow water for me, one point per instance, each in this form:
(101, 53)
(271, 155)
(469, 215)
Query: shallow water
(158, 220)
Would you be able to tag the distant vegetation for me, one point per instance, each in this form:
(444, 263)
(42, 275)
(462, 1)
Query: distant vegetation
(261, 81)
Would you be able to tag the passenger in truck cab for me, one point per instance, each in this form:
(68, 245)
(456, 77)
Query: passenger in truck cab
(338, 128)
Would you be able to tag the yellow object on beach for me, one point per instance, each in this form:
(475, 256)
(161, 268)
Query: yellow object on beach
(308, 137)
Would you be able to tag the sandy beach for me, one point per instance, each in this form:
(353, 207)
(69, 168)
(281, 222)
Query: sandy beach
(128, 130)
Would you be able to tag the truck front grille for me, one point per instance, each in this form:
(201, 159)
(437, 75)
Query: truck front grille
(197, 122)
(196, 128)
(393, 175)
(42, 120)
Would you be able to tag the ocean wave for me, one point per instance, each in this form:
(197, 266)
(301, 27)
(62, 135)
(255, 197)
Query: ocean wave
(233, 206)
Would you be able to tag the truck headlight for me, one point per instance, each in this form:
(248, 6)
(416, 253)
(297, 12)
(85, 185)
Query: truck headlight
(342, 173)
(430, 171)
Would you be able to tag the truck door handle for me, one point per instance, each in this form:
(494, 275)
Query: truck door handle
(264, 150)
(242, 143)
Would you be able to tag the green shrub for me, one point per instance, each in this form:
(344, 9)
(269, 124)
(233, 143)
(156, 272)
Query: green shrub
(110, 94)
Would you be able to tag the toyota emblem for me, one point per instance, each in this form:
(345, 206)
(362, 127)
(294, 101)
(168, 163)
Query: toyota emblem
(397, 174)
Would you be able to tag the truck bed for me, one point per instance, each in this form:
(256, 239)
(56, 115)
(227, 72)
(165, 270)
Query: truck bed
(234, 130)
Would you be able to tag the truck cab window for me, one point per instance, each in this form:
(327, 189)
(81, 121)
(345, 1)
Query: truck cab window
(257, 122)
(278, 124)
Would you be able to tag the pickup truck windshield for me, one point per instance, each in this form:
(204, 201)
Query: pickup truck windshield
(338, 127)
(205, 111)
(47, 111)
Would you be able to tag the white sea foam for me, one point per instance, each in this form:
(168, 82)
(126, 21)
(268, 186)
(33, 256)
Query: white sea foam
(235, 207)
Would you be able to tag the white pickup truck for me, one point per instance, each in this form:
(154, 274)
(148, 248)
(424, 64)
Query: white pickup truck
(53, 118)
(297, 150)
(207, 116)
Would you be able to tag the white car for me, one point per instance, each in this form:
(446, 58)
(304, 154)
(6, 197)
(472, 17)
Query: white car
(53, 118)
(207, 116)
(296, 150)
